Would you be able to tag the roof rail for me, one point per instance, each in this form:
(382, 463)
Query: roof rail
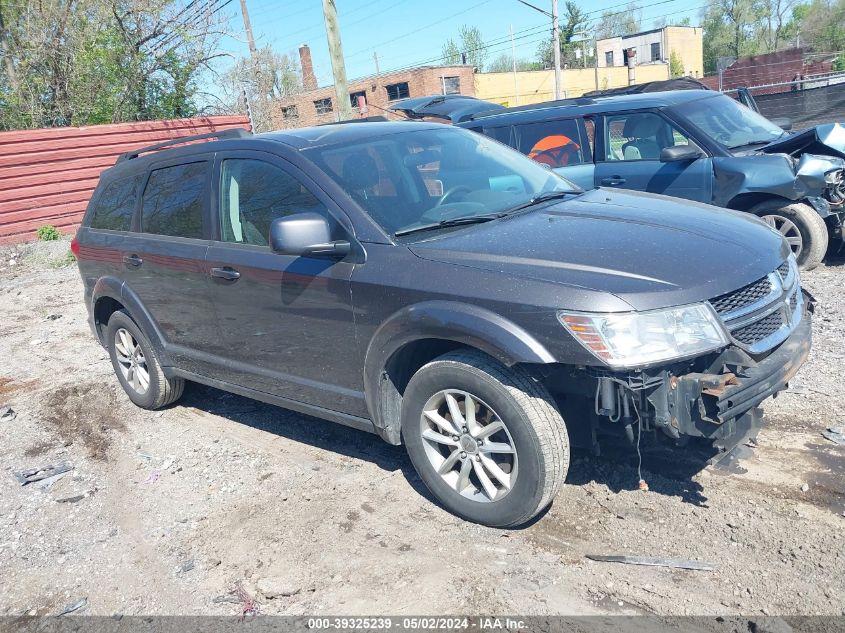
(366, 119)
(238, 132)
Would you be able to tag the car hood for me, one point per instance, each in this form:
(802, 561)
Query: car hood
(827, 140)
(650, 251)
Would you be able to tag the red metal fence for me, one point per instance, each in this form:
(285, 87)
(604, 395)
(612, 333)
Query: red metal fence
(48, 175)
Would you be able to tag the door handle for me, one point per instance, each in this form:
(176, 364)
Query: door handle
(132, 261)
(614, 181)
(227, 273)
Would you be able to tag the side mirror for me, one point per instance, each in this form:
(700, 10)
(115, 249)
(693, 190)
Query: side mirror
(679, 153)
(784, 123)
(306, 234)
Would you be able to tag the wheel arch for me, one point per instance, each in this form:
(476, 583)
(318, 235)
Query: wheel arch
(111, 294)
(415, 335)
(748, 200)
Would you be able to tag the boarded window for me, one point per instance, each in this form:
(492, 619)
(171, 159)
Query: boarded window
(290, 112)
(173, 201)
(115, 205)
(608, 58)
(323, 106)
(397, 91)
(452, 85)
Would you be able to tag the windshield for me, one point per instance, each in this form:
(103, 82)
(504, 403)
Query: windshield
(728, 122)
(435, 176)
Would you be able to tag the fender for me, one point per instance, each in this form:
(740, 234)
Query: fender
(118, 290)
(446, 320)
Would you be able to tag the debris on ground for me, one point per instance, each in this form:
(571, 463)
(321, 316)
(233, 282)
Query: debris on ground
(25, 477)
(76, 498)
(75, 606)
(835, 434)
(272, 588)
(7, 414)
(805, 487)
(249, 606)
(675, 563)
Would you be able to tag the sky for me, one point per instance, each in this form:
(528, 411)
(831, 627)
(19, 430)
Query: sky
(412, 32)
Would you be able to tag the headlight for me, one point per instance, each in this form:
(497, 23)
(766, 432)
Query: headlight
(634, 339)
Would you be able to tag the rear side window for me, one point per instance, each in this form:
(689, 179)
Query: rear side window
(113, 210)
(553, 143)
(173, 201)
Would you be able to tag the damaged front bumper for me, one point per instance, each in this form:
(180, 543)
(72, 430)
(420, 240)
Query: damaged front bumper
(720, 402)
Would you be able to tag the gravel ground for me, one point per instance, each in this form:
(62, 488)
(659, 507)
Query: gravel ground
(221, 504)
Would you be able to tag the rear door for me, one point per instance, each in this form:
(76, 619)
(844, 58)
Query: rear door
(286, 325)
(164, 257)
(628, 157)
(563, 145)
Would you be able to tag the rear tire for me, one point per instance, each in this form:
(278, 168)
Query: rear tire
(801, 225)
(137, 367)
(511, 454)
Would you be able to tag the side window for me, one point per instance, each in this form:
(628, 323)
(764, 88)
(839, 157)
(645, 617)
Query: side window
(640, 136)
(553, 143)
(115, 205)
(501, 134)
(253, 193)
(590, 140)
(173, 201)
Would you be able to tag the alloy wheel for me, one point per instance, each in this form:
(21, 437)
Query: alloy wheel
(131, 360)
(788, 229)
(469, 445)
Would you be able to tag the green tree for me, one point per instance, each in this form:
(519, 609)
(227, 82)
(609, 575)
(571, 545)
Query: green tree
(624, 22)
(504, 64)
(76, 62)
(573, 28)
(471, 44)
(676, 66)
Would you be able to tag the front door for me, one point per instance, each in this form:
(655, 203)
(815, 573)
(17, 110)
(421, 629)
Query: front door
(286, 323)
(629, 158)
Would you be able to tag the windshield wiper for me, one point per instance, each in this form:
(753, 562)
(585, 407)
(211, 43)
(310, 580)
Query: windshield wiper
(543, 197)
(469, 219)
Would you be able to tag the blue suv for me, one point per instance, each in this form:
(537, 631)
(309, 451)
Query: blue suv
(694, 144)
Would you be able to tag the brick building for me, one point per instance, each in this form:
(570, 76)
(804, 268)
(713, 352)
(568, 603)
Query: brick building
(317, 105)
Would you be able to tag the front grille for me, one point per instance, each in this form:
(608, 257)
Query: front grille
(759, 330)
(742, 298)
(760, 315)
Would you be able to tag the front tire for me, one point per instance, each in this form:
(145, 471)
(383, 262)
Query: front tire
(802, 227)
(137, 366)
(486, 440)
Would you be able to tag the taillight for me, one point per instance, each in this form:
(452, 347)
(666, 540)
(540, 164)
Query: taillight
(74, 247)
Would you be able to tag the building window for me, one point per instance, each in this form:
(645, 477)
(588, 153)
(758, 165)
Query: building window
(323, 106)
(353, 97)
(397, 91)
(452, 85)
(655, 52)
(290, 112)
(608, 58)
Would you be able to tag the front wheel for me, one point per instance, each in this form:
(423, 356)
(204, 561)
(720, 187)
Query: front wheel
(487, 440)
(800, 225)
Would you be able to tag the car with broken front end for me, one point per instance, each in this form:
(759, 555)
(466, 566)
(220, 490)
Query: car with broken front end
(436, 288)
(694, 144)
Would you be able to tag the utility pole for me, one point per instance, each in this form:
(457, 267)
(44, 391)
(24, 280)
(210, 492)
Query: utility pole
(378, 72)
(556, 46)
(248, 28)
(513, 58)
(256, 71)
(344, 106)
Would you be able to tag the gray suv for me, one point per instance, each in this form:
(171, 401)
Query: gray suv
(442, 291)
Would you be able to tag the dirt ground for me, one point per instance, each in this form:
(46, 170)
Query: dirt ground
(220, 504)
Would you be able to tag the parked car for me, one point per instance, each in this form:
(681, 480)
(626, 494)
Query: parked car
(440, 290)
(694, 144)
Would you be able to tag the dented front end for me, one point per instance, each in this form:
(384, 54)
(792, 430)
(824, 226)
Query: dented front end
(715, 396)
